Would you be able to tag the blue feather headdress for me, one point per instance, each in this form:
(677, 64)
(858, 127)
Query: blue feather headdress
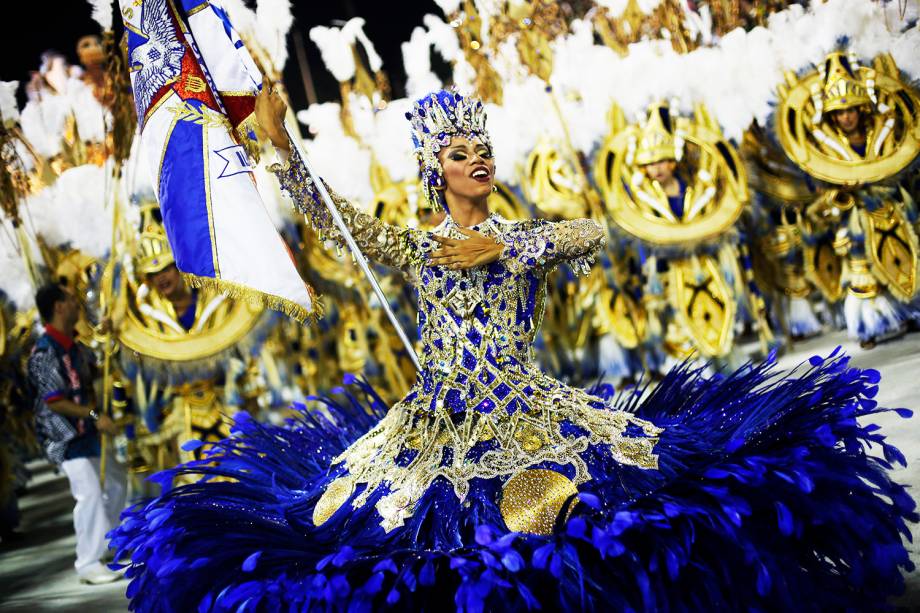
(435, 119)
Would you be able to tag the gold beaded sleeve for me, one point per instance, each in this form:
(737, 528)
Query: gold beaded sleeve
(545, 244)
(381, 242)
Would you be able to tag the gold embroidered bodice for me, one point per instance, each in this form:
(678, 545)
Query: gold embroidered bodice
(480, 407)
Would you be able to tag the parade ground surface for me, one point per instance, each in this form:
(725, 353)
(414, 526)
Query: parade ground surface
(37, 573)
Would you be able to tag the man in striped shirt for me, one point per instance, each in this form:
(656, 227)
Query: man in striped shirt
(61, 372)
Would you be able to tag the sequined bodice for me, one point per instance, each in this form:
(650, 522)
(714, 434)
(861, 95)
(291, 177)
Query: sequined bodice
(477, 326)
(480, 407)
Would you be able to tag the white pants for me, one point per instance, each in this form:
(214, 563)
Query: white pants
(97, 508)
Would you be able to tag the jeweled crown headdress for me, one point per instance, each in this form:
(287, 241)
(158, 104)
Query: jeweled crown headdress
(843, 89)
(658, 140)
(435, 119)
(154, 253)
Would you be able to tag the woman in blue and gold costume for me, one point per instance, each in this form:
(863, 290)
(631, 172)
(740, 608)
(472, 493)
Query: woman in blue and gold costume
(492, 486)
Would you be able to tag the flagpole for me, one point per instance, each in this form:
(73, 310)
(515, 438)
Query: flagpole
(327, 200)
(355, 250)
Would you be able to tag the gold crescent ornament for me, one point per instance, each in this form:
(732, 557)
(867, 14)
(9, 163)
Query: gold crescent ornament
(506, 203)
(532, 500)
(621, 315)
(551, 182)
(824, 268)
(337, 493)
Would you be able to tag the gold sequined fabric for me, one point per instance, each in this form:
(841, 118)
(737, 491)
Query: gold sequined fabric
(480, 406)
(532, 500)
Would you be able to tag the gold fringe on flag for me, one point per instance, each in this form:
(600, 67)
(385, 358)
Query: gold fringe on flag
(238, 291)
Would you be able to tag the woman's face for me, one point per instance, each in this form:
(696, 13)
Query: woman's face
(89, 50)
(168, 282)
(847, 120)
(662, 171)
(469, 169)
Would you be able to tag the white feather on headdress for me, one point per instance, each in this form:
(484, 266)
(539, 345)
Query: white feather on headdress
(904, 52)
(241, 16)
(698, 22)
(138, 177)
(354, 29)
(335, 49)
(487, 10)
(387, 133)
(516, 126)
(102, 13)
(338, 158)
(14, 280)
(90, 115)
(584, 98)
(43, 121)
(273, 22)
(443, 37)
(74, 210)
(416, 54)
(448, 6)
(446, 42)
(278, 207)
(616, 7)
(507, 61)
(9, 111)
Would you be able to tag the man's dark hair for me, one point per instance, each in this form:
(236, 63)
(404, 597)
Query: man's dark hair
(49, 295)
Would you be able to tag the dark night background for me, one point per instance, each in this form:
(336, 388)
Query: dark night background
(58, 25)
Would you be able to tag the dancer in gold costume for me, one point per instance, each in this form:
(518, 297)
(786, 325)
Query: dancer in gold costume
(786, 246)
(677, 188)
(855, 128)
(184, 353)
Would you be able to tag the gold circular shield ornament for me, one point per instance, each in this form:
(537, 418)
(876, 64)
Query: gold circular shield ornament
(795, 128)
(613, 169)
(551, 182)
(144, 340)
(337, 493)
(531, 501)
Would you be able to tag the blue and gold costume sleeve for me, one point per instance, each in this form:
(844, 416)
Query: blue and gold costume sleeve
(541, 244)
(384, 243)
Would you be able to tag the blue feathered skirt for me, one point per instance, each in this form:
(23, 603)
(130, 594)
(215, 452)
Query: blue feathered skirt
(771, 493)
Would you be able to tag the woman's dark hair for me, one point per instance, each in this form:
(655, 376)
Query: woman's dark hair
(47, 296)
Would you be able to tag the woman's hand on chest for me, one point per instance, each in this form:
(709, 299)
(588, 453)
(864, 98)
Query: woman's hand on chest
(475, 250)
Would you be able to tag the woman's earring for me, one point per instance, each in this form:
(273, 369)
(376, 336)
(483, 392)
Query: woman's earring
(494, 189)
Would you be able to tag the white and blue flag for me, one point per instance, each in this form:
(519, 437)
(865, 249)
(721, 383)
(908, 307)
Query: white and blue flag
(194, 89)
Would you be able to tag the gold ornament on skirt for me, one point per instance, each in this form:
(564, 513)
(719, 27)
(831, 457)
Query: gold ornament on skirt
(337, 493)
(532, 500)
